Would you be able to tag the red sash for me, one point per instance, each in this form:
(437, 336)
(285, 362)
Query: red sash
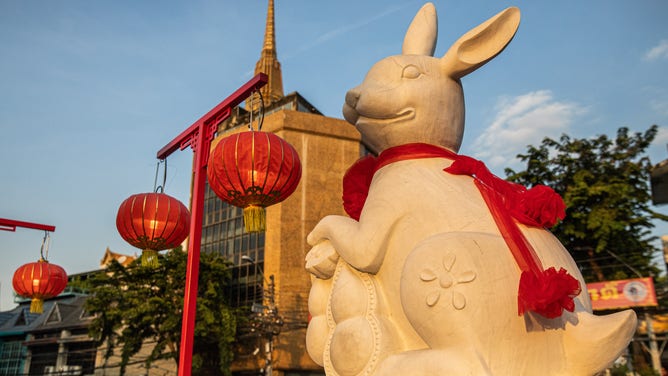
(546, 292)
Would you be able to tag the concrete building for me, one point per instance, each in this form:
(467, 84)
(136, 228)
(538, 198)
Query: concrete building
(271, 264)
(55, 342)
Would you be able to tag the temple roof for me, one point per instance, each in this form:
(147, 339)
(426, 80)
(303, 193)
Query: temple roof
(124, 260)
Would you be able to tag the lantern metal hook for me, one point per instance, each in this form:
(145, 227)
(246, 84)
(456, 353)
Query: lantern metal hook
(157, 187)
(260, 112)
(44, 249)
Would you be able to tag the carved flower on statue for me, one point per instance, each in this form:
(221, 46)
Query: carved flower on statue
(448, 279)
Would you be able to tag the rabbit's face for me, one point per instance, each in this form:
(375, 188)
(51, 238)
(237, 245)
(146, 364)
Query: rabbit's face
(415, 97)
(405, 99)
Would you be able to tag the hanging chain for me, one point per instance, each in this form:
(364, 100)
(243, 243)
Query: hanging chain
(260, 111)
(250, 122)
(44, 250)
(157, 187)
(261, 114)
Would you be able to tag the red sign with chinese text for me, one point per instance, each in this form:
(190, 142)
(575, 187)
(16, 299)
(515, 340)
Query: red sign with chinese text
(624, 293)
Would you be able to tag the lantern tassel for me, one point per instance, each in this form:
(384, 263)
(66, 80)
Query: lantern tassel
(149, 258)
(255, 219)
(36, 305)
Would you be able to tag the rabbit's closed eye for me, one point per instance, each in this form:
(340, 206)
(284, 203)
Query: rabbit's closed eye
(411, 71)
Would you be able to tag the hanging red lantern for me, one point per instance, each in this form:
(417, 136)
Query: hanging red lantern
(153, 222)
(253, 170)
(39, 280)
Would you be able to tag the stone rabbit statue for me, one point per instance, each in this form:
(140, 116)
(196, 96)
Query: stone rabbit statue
(442, 270)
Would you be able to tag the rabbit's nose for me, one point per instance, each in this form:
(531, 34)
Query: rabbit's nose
(352, 96)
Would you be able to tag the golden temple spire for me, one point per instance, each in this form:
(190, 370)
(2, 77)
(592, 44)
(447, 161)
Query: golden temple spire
(269, 65)
(269, 31)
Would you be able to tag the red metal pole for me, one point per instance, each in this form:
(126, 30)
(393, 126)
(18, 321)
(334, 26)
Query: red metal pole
(11, 225)
(199, 136)
(192, 270)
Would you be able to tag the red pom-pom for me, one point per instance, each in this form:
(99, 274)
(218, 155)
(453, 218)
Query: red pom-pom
(539, 206)
(547, 293)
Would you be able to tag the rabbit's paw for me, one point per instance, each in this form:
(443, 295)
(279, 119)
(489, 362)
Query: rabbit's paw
(331, 226)
(321, 260)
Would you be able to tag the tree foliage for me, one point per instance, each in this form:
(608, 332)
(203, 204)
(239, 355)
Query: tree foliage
(135, 305)
(605, 185)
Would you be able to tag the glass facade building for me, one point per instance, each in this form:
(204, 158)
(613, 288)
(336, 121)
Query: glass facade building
(223, 233)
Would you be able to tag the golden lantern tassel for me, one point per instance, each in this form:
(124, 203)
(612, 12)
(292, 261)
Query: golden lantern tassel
(149, 258)
(255, 219)
(36, 305)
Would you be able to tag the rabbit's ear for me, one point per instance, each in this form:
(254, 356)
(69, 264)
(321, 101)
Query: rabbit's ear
(420, 38)
(481, 43)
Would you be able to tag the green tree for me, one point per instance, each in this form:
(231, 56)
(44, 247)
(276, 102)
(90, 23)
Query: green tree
(605, 185)
(136, 304)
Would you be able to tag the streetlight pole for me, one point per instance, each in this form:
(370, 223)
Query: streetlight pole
(199, 136)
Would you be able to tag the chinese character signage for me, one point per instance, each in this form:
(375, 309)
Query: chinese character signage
(638, 292)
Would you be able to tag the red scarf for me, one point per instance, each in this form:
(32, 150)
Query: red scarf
(546, 292)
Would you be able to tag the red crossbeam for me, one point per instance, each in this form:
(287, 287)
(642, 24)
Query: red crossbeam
(11, 225)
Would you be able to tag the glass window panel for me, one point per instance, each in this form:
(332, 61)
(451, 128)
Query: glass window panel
(253, 241)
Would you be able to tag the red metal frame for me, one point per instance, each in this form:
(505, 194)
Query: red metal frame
(11, 225)
(199, 136)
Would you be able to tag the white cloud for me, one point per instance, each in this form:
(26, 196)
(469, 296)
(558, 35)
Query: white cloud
(661, 137)
(657, 151)
(520, 121)
(660, 106)
(659, 51)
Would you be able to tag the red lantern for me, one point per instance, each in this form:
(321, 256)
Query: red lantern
(253, 170)
(153, 222)
(39, 280)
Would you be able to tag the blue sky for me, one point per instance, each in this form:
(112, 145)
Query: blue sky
(91, 90)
